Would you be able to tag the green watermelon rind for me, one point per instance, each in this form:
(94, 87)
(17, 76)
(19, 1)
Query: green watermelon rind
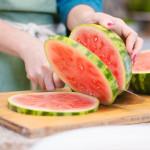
(93, 58)
(39, 112)
(120, 46)
(140, 82)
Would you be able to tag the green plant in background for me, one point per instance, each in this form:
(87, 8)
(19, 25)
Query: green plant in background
(128, 20)
(139, 5)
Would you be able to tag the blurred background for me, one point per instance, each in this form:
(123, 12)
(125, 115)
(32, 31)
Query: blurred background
(136, 13)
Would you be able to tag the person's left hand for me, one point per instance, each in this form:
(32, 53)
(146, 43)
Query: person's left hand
(84, 14)
(133, 41)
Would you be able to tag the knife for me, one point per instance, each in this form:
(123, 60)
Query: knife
(128, 98)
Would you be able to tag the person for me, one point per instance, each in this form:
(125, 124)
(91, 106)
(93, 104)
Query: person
(24, 25)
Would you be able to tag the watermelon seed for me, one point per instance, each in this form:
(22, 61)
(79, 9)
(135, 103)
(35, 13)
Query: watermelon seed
(98, 87)
(84, 44)
(74, 82)
(82, 87)
(78, 41)
(94, 81)
(101, 55)
(81, 67)
(95, 39)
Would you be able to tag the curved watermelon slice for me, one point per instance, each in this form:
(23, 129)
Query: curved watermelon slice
(109, 47)
(80, 69)
(53, 103)
(140, 81)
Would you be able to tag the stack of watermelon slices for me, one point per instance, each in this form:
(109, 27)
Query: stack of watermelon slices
(93, 61)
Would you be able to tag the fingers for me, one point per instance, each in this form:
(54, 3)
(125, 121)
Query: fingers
(44, 77)
(48, 81)
(51, 80)
(137, 48)
(133, 42)
(31, 77)
(58, 83)
(40, 77)
(130, 37)
(125, 32)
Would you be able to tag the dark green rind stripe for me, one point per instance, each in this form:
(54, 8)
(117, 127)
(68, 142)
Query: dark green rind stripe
(120, 46)
(24, 110)
(140, 82)
(94, 59)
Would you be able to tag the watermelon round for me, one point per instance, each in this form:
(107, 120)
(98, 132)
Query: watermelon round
(140, 81)
(109, 47)
(80, 69)
(53, 103)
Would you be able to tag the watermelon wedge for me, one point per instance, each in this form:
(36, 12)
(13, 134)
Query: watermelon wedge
(140, 81)
(109, 47)
(80, 69)
(53, 103)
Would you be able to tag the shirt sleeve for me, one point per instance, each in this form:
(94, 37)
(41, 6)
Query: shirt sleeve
(64, 6)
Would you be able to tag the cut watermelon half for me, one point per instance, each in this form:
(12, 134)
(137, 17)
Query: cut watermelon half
(109, 47)
(53, 103)
(80, 69)
(140, 81)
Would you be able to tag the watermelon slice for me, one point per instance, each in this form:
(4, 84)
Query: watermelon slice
(53, 103)
(109, 47)
(140, 81)
(80, 69)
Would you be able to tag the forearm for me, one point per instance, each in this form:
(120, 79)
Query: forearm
(79, 14)
(14, 41)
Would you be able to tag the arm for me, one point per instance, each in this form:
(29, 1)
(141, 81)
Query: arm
(30, 49)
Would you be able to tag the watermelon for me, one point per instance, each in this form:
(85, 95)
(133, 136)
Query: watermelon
(53, 103)
(140, 81)
(80, 69)
(109, 47)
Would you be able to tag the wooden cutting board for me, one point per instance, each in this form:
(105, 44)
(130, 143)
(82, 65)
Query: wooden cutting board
(127, 110)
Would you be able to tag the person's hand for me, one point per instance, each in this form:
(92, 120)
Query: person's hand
(133, 41)
(38, 69)
(31, 51)
(84, 14)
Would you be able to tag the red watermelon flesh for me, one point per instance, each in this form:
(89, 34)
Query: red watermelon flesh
(54, 101)
(101, 45)
(77, 71)
(142, 63)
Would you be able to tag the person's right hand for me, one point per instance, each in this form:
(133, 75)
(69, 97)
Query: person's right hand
(31, 51)
(39, 70)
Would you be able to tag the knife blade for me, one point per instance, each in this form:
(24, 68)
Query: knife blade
(128, 98)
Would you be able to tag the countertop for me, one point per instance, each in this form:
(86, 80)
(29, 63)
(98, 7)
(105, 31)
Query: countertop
(9, 140)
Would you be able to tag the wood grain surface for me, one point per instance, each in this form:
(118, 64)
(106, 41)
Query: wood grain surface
(127, 109)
